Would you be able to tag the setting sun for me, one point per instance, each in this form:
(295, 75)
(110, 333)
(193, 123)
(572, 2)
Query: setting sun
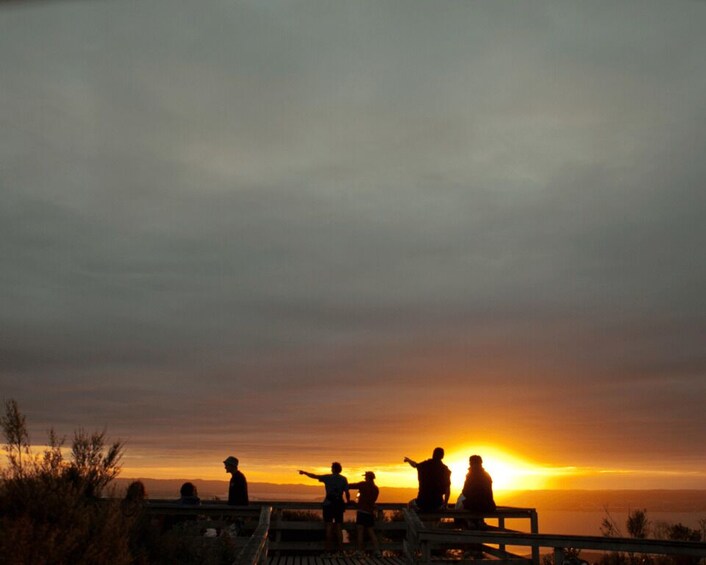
(509, 472)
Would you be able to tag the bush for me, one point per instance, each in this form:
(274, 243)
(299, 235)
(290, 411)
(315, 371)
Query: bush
(638, 526)
(50, 510)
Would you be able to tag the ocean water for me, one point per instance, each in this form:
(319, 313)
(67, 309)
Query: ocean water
(588, 523)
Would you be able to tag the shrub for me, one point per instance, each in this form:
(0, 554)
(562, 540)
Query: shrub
(50, 510)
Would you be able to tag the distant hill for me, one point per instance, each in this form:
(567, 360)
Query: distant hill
(572, 500)
(209, 489)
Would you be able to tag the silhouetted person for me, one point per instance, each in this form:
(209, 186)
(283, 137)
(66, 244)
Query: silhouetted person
(478, 490)
(135, 497)
(434, 482)
(144, 532)
(188, 495)
(334, 506)
(368, 493)
(238, 487)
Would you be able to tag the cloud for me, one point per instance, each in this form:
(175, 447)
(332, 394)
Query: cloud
(290, 222)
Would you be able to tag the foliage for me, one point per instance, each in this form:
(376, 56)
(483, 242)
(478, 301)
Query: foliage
(14, 429)
(637, 524)
(184, 543)
(49, 508)
(572, 556)
(302, 535)
(639, 527)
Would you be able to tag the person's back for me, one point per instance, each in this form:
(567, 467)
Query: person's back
(369, 493)
(238, 490)
(334, 506)
(188, 495)
(434, 478)
(335, 485)
(478, 487)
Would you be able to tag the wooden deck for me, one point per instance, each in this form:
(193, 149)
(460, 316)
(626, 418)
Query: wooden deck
(268, 535)
(338, 560)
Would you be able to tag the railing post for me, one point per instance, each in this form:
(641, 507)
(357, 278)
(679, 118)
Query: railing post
(534, 528)
(558, 556)
(278, 530)
(501, 525)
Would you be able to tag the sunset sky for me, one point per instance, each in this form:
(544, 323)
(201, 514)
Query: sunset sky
(306, 231)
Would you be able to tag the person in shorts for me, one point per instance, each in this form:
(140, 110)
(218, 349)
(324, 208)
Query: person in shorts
(334, 506)
(365, 517)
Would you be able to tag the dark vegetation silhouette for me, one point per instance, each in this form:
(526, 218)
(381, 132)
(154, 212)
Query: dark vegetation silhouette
(637, 525)
(58, 510)
(50, 511)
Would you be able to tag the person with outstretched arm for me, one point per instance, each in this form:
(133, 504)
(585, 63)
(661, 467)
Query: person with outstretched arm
(334, 506)
(368, 493)
(434, 482)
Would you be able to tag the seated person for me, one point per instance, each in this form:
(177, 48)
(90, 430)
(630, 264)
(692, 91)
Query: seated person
(478, 490)
(189, 494)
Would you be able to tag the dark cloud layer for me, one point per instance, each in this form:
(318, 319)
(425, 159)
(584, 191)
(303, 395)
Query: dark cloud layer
(276, 224)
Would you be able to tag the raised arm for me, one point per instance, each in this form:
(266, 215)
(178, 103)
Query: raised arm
(310, 475)
(412, 463)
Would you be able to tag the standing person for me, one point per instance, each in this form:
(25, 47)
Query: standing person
(478, 490)
(238, 487)
(368, 493)
(434, 482)
(336, 488)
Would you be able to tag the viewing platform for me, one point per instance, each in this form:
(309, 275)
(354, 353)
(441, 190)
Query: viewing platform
(292, 533)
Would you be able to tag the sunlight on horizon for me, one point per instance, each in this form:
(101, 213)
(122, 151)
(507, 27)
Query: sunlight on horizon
(509, 470)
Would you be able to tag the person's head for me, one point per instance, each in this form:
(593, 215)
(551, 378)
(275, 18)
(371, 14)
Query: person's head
(438, 453)
(231, 464)
(188, 489)
(475, 461)
(369, 476)
(135, 492)
(336, 468)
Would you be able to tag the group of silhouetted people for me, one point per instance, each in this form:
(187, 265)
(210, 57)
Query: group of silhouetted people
(434, 491)
(433, 495)
(435, 484)
(337, 487)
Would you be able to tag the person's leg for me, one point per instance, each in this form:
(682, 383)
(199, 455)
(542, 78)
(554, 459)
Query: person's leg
(329, 536)
(360, 533)
(339, 536)
(374, 539)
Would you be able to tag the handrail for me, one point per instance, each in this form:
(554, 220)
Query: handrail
(414, 525)
(429, 537)
(255, 550)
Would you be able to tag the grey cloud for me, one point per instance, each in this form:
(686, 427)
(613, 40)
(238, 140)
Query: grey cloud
(259, 202)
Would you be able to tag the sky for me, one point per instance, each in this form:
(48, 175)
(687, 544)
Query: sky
(306, 231)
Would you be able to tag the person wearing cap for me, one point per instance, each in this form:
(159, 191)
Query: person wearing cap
(434, 482)
(336, 488)
(368, 493)
(238, 487)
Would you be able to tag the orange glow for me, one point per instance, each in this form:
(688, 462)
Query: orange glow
(509, 471)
